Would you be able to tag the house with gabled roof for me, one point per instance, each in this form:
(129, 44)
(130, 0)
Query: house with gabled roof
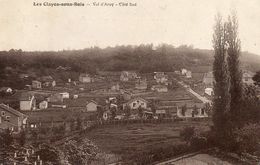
(91, 106)
(11, 118)
(36, 84)
(135, 103)
(27, 102)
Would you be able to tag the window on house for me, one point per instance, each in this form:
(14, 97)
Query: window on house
(3, 113)
(142, 104)
(246, 78)
(134, 104)
(7, 118)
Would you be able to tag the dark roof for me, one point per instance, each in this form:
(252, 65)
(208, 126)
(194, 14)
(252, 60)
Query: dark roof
(137, 98)
(46, 79)
(83, 101)
(11, 110)
(25, 96)
(84, 75)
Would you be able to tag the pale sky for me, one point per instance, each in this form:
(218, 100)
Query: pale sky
(175, 22)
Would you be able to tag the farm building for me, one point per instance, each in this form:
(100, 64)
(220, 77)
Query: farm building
(27, 102)
(36, 84)
(85, 78)
(11, 118)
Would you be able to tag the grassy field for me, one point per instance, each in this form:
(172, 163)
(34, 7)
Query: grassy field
(129, 139)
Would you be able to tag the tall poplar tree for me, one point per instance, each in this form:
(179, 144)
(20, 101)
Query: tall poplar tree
(236, 85)
(221, 100)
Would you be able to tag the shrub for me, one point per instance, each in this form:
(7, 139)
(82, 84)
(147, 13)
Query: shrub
(154, 154)
(187, 133)
(198, 142)
(247, 138)
(83, 152)
(48, 154)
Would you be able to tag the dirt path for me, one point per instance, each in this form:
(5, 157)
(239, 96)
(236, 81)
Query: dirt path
(198, 159)
(201, 98)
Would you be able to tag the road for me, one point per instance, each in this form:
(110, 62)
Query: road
(198, 159)
(201, 98)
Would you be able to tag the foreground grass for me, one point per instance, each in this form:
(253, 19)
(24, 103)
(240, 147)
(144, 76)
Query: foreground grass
(127, 140)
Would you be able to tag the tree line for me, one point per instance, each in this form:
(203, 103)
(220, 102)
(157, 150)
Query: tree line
(235, 106)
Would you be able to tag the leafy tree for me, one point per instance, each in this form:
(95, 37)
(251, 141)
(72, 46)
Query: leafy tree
(6, 138)
(236, 86)
(72, 124)
(221, 100)
(187, 133)
(48, 154)
(79, 123)
(247, 138)
(256, 78)
(208, 109)
(251, 105)
(22, 138)
(80, 152)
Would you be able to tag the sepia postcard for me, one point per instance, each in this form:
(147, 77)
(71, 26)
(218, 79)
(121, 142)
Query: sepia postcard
(129, 82)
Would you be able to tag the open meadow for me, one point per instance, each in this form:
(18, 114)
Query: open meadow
(126, 140)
